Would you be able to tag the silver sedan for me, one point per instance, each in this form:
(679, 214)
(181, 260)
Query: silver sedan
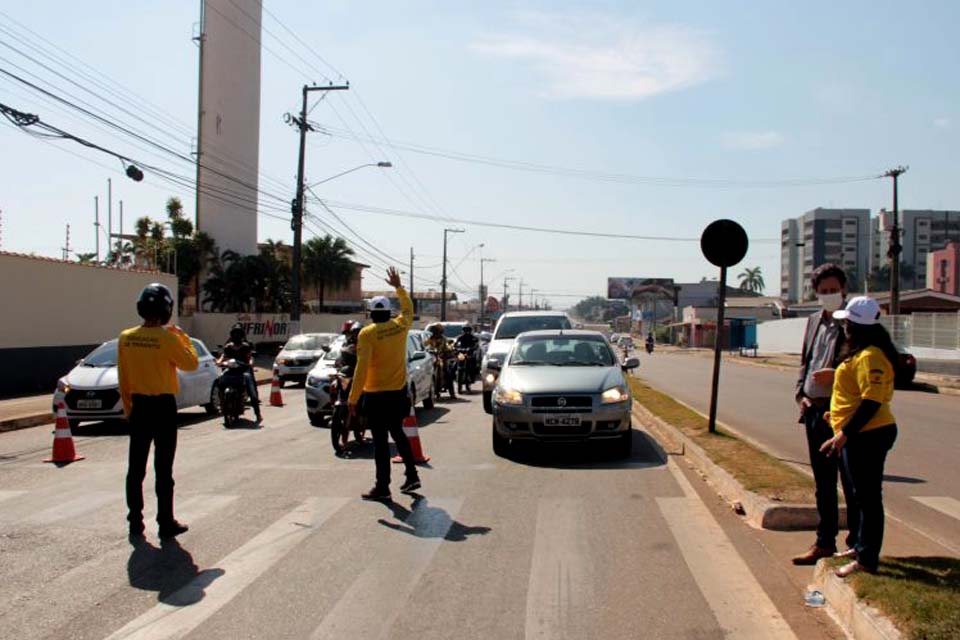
(562, 386)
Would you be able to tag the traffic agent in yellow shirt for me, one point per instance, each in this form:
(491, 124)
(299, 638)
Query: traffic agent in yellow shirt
(148, 357)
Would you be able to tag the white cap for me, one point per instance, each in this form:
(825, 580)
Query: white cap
(379, 303)
(861, 310)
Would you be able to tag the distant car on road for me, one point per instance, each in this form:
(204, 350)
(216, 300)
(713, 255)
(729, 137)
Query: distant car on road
(509, 326)
(557, 386)
(91, 390)
(906, 369)
(300, 354)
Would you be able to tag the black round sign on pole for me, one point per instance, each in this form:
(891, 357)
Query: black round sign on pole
(724, 243)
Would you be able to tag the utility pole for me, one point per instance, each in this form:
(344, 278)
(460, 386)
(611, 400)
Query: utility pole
(506, 305)
(96, 223)
(483, 301)
(520, 295)
(412, 299)
(443, 281)
(66, 246)
(297, 209)
(109, 218)
(120, 235)
(895, 247)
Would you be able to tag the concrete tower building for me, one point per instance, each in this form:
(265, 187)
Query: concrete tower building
(229, 123)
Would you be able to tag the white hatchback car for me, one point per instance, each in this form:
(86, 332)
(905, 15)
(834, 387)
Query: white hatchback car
(91, 390)
(301, 353)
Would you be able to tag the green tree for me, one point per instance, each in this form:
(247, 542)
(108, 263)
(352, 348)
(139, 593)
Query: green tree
(880, 277)
(327, 263)
(86, 258)
(751, 280)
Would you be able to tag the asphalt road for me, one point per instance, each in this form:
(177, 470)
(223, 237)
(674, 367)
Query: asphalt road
(558, 543)
(922, 485)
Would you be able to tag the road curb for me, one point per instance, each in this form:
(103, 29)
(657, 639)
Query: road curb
(758, 511)
(39, 419)
(859, 620)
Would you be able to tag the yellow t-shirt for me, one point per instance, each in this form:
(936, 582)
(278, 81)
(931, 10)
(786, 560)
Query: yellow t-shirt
(382, 352)
(868, 375)
(148, 359)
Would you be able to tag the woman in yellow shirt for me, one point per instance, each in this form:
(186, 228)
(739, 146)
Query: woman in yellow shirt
(863, 425)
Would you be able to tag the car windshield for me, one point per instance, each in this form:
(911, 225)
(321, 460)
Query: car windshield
(103, 356)
(452, 331)
(561, 351)
(512, 327)
(303, 343)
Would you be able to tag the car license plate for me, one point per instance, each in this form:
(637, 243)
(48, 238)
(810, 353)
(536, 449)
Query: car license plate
(561, 421)
(89, 404)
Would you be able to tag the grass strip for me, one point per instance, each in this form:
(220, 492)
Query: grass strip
(921, 595)
(756, 470)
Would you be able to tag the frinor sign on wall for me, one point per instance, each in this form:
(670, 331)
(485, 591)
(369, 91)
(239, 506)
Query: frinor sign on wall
(265, 329)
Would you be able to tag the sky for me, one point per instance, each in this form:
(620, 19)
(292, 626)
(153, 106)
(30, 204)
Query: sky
(701, 110)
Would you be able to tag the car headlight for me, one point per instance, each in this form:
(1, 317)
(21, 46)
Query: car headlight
(62, 386)
(313, 381)
(508, 396)
(613, 395)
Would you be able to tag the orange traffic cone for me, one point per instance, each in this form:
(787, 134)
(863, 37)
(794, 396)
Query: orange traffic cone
(413, 435)
(63, 451)
(276, 400)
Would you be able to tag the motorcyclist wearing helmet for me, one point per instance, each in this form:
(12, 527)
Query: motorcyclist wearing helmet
(469, 340)
(148, 357)
(348, 353)
(237, 348)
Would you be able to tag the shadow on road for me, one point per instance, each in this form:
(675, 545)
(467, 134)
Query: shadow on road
(923, 387)
(425, 521)
(593, 455)
(122, 428)
(426, 417)
(170, 571)
(903, 479)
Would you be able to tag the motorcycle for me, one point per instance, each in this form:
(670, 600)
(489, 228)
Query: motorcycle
(649, 346)
(340, 419)
(233, 391)
(444, 374)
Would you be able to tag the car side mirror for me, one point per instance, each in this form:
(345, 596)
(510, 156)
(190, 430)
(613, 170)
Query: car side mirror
(631, 363)
(494, 364)
(325, 347)
(418, 355)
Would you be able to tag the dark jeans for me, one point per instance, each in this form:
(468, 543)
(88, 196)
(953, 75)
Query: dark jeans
(385, 412)
(251, 388)
(153, 419)
(825, 471)
(864, 455)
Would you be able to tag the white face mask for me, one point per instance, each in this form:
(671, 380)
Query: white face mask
(831, 301)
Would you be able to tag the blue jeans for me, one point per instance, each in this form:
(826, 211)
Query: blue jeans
(251, 388)
(864, 455)
(825, 471)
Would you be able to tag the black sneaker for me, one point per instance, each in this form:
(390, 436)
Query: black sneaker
(412, 484)
(173, 529)
(381, 494)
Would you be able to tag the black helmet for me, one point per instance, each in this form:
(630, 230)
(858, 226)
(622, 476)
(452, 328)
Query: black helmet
(435, 328)
(237, 333)
(467, 328)
(155, 303)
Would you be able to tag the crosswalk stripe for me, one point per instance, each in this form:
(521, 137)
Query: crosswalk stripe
(193, 507)
(560, 583)
(738, 602)
(206, 594)
(943, 504)
(8, 495)
(363, 466)
(351, 617)
(74, 508)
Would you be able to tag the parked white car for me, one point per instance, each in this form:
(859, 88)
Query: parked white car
(91, 390)
(301, 353)
(419, 379)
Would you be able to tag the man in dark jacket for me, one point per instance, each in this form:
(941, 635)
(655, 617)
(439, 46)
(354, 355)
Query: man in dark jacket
(822, 340)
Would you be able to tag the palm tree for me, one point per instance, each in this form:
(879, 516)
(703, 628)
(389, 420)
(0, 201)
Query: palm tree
(751, 280)
(86, 258)
(327, 263)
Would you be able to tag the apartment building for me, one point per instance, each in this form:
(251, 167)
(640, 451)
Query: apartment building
(823, 235)
(922, 232)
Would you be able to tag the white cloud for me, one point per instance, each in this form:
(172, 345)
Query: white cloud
(942, 123)
(751, 140)
(604, 57)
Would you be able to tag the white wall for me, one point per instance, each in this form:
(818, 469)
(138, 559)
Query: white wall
(57, 304)
(781, 336)
(214, 328)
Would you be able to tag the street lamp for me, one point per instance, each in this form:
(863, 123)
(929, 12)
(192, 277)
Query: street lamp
(297, 234)
(443, 281)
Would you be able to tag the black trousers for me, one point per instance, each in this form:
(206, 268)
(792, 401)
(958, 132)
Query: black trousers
(825, 471)
(385, 412)
(153, 419)
(864, 456)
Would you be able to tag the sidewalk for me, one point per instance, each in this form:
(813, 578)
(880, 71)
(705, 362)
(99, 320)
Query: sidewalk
(35, 411)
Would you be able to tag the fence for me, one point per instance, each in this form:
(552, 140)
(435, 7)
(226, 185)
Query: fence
(925, 330)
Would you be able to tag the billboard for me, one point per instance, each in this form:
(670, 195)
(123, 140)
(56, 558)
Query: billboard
(630, 288)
